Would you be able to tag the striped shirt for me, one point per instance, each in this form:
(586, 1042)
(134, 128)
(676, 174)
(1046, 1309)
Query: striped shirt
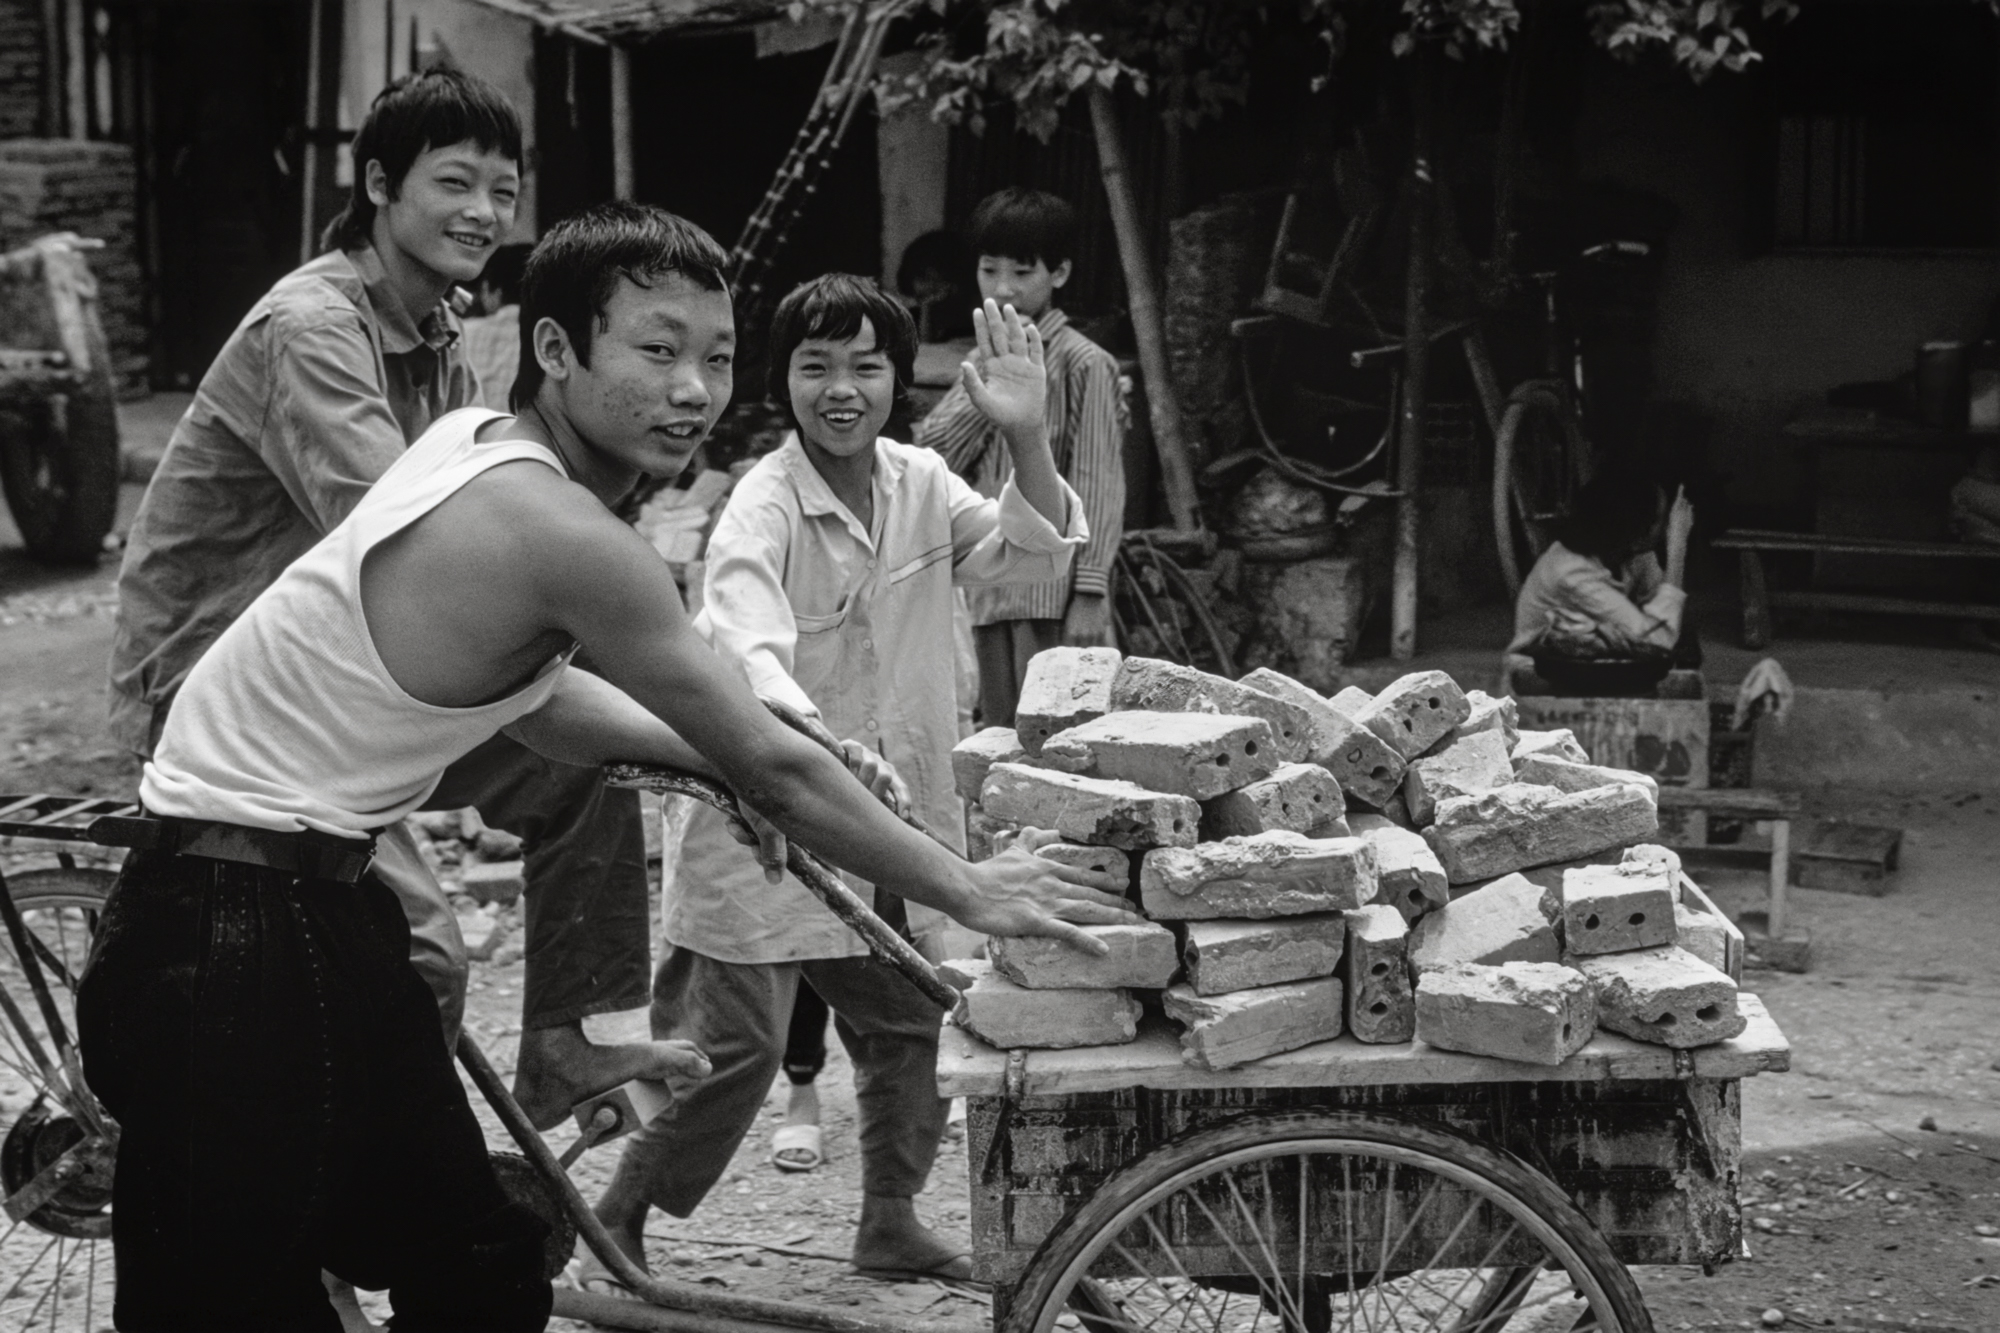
(1086, 431)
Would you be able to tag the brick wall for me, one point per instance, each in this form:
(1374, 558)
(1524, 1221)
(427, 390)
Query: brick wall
(21, 55)
(67, 185)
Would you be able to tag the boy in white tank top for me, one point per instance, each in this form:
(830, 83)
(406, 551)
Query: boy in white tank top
(250, 1016)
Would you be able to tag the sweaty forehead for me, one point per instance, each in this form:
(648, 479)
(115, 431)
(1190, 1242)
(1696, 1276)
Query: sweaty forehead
(669, 303)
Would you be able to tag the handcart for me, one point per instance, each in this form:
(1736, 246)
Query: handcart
(1342, 1186)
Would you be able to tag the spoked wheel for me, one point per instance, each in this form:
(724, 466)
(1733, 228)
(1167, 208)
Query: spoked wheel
(1311, 1221)
(55, 1260)
(1540, 460)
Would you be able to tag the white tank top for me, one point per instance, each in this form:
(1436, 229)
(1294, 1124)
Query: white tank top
(290, 721)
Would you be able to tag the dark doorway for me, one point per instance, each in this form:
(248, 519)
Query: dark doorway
(572, 127)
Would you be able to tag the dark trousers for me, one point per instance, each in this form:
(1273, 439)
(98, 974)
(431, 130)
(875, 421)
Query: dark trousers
(737, 1013)
(285, 1107)
(588, 944)
(1003, 650)
(805, 1039)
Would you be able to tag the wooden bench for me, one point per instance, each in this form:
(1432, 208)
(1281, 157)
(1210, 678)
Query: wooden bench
(1780, 808)
(1750, 544)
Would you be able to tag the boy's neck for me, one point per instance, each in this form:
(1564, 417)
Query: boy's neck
(851, 479)
(418, 288)
(548, 425)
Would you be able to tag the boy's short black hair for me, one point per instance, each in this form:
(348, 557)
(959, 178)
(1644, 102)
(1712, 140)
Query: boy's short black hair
(1026, 225)
(433, 108)
(1613, 513)
(576, 267)
(504, 271)
(832, 306)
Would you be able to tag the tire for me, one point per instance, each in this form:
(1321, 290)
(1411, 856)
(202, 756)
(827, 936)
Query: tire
(1130, 1257)
(1539, 457)
(58, 1260)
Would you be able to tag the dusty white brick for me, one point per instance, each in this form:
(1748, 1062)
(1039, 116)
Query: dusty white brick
(494, 882)
(1103, 811)
(1350, 701)
(1062, 687)
(1189, 754)
(1381, 1003)
(1703, 935)
(1561, 743)
(1522, 825)
(1225, 956)
(1271, 874)
(1362, 761)
(1416, 711)
(1112, 860)
(1548, 770)
(1407, 871)
(1666, 996)
(1511, 920)
(1167, 687)
(1656, 859)
(1539, 1013)
(1614, 909)
(1142, 955)
(982, 831)
(1223, 1031)
(1490, 714)
(1461, 767)
(1303, 798)
(972, 757)
(1002, 1014)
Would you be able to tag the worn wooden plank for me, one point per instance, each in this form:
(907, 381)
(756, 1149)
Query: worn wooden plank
(968, 1067)
(1751, 539)
(1694, 897)
(1743, 802)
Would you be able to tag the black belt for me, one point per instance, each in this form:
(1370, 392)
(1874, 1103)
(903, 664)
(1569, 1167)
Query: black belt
(309, 854)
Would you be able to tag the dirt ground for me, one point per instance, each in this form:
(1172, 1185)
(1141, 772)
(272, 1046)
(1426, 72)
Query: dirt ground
(1872, 1178)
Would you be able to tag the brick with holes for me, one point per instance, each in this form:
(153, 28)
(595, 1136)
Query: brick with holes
(1490, 714)
(1455, 767)
(1615, 909)
(1189, 754)
(1666, 996)
(1350, 700)
(1271, 874)
(1510, 920)
(1361, 761)
(973, 757)
(1381, 1003)
(1223, 1031)
(1521, 825)
(1167, 687)
(1548, 770)
(1062, 687)
(1538, 1013)
(1416, 711)
(1002, 1014)
(1142, 955)
(1407, 870)
(1561, 743)
(1224, 956)
(1101, 811)
(1301, 797)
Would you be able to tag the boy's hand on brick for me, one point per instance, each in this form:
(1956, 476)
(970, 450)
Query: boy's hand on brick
(879, 776)
(1023, 894)
(1087, 623)
(1007, 376)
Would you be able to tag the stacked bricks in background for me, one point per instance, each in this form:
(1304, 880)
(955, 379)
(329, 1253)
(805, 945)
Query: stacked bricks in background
(1226, 803)
(91, 188)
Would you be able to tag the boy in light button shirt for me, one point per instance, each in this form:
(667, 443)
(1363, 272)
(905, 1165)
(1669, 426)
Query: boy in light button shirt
(830, 579)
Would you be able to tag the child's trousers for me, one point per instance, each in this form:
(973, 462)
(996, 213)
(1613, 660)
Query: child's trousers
(738, 1014)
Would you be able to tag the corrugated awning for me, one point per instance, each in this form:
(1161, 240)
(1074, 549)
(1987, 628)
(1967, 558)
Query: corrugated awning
(636, 20)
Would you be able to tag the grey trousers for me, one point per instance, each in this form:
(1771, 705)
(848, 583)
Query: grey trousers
(738, 1014)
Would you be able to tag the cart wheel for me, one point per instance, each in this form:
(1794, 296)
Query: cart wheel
(1310, 1221)
(58, 1259)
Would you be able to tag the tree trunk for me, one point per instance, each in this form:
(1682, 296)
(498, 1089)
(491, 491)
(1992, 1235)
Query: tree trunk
(1162, 407)
(1416, 367)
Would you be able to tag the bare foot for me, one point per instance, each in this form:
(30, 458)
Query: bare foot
(890, 1239)
(560, 1067)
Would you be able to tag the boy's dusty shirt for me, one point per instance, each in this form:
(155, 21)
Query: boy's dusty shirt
(1086, 435)
(856, 626)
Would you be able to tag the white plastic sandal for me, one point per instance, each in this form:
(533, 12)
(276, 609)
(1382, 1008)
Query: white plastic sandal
(797, 1139)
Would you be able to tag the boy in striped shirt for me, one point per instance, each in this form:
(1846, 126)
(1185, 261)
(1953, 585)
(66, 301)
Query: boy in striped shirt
(1025, 240)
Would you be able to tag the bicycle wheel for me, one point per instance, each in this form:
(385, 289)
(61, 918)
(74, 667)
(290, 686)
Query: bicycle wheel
(58, 1257)
(1310, 1221)
(1539, 460)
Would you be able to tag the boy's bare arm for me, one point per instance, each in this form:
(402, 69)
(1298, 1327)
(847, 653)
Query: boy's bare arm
(589, 721)
(596, 580)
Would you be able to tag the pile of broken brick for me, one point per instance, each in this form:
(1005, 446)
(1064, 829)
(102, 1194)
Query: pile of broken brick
(1309, 866)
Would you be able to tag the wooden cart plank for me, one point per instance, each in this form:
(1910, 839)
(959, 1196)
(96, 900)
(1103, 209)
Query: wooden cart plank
(968, 1067)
